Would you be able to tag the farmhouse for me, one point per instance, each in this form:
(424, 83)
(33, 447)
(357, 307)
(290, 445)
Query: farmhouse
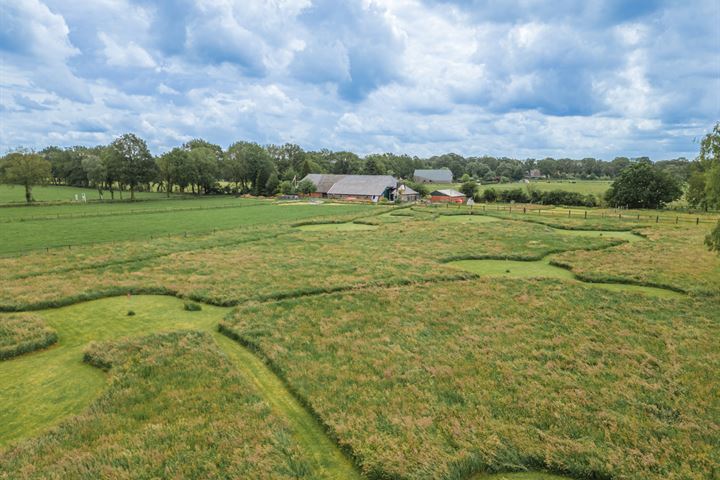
(449, 195)
(441, 175)
(360, 187)
(407, 194)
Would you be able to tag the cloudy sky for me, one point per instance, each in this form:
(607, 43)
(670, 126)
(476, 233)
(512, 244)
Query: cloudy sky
(522, 78)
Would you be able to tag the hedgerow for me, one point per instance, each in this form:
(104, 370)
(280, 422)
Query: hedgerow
(22, 333)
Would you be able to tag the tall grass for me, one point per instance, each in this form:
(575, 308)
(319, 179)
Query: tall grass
(23, 333)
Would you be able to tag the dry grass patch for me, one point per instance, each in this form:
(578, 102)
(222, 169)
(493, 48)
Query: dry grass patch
(443, 380)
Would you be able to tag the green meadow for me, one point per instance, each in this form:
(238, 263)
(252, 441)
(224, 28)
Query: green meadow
(355, 341)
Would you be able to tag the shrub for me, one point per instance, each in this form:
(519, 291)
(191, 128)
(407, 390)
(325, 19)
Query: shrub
(131, 313)
(516, 195)
(23, 333)
(192, 307)
(562, 197)
(306, 187)
(490, 195)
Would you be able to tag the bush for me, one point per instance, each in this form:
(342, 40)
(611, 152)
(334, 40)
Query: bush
(490, 195)
(516, 195)
(306, 187)
(562, 197)
(192, 307)
(131, 313)
(418, 187)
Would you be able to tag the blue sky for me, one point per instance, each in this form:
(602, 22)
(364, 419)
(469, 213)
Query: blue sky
(522, 78)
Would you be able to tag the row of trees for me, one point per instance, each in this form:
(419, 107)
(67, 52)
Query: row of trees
(199, 166)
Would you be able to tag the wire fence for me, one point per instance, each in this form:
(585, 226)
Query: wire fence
(577, 213)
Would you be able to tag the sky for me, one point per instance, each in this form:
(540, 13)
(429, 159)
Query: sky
(517, 78)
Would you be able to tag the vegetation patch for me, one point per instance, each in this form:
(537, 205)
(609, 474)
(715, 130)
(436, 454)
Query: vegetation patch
(444, 380)
(23, 333)
(547, 269)
(162, 416)
(192, 306)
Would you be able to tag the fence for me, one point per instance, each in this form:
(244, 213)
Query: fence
(588, 214)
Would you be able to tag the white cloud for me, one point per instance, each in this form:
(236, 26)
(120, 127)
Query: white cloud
(128, 55)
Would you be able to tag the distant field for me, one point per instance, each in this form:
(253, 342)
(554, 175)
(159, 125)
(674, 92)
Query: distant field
(51, 193)
(596, 187)
(142, 223)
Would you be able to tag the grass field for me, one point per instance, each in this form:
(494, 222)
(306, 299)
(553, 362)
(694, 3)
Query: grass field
(595, 187)
(16, 237)
(345, 352)
(51, 193)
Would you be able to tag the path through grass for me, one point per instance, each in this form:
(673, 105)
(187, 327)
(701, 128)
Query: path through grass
(41, 389)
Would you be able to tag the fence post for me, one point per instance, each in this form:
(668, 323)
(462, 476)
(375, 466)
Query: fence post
(697, 221)
(657, 219)
(569, 212)
(524, 209)
(585, 214)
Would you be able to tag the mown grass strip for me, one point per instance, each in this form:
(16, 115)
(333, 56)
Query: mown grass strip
(328, 460)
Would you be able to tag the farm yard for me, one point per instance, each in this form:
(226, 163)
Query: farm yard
(249, 338)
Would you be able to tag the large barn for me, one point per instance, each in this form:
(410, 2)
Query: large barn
(358, 187)
(441, 175)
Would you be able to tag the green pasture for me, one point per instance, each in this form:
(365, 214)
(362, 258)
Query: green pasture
(18, 237)
(10, 194)
(595, 187)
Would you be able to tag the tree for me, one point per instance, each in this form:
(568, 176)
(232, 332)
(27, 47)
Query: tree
(26, 169)
(642, 185)
(713, 239)
(469, 188)
(133, 161)
(249, 164)
(271, 186)
(306, 187)
(205, 168)
(374, 165)
(704, 183)
(96, 172)
(172, 167)
(286, 187)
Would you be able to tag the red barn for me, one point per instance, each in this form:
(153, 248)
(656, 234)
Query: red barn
(448, 196)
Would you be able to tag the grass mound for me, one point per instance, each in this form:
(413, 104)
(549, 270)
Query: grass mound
(175, 408)
(22, 333)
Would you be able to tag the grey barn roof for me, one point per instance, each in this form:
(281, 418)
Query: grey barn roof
(363, 185)
(323, 182)
(443, 175)
(368, 185)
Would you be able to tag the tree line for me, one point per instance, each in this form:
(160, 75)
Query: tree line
(200, 167)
